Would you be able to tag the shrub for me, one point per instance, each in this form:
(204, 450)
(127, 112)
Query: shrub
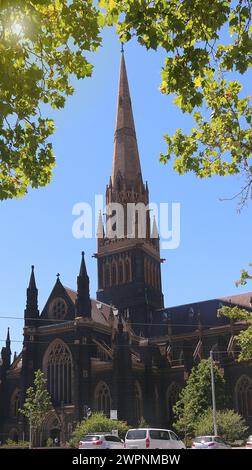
(230, 425)
(98, 422)
(196, 397)
(73, 443)
(142, 423)
(49, 442)
(11, 443)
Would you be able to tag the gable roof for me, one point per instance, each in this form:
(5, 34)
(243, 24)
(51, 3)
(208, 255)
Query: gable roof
(242, 300)
(99, 310)
(17, 363)
(185, 318)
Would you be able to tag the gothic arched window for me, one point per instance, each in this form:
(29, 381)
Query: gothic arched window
(151, 274)
(120, 273)
(156, 403)
(147, 267)
(59, 370)
(138, 402)
(216, 354)
(118, 183)
(114, 277)
(243, 392)
(127, 271)
(156, 277)
(107, 277)
(181, 358)
(172, 396)
(15, 403)
(103, 398)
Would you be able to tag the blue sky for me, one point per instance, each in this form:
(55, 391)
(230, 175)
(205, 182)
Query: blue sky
(215, 239)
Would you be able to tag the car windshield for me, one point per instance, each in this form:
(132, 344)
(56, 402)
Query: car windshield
(136, 434)
(203, 439)
(90, 438)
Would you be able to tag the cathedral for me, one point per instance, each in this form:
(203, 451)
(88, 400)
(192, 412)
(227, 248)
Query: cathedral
(123, 351)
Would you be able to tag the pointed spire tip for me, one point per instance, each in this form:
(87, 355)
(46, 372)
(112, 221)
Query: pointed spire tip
(83, 270)
(32, 282)
(125, 142)
(8, 335)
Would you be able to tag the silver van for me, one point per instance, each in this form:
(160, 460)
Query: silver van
(152, 438)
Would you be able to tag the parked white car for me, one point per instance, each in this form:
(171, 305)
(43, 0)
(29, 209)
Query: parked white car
(249, 443)
(209, 442)
(101, 441)
(152, 438)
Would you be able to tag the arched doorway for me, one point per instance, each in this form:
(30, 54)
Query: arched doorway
(51, 428)
(55, 435)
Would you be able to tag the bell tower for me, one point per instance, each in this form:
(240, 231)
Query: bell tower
(128, 254)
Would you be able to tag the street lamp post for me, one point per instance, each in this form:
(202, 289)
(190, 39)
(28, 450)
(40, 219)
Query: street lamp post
(30, 430)
(213, 394)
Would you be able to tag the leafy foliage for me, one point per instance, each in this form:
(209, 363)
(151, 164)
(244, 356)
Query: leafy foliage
(142, 423)
(196, 397)
(244, 338)
(98, 422)
(38, 402)
(205, 42)
(13, 444)
(41, 44)
(231, 426)
(245, 277)
(49, 442)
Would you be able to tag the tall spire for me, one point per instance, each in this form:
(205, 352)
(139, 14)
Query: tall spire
(119, 278)
(83, 302)
(83, 269)
(126, 163)
(100, 228)
(32, 283)
(31, 311)
(7, 353)
(8, 338)
(154, 232)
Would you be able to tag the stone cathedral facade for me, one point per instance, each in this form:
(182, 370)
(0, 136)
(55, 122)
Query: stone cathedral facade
(123, 350)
